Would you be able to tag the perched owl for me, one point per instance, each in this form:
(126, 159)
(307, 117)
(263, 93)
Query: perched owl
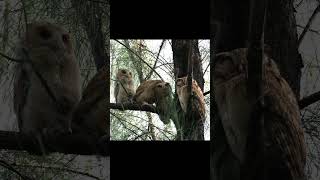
(158, 92)
(124, 88)
(47, 85)
(91, 113)
(198, 104)
(285, 153)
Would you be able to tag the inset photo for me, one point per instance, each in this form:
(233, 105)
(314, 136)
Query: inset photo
(159, 90)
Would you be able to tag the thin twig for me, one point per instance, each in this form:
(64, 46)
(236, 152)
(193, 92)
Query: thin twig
(311, 30)
(117, 81)
(60, 169)
(42, 80)
(9, 167)
(139, 58)
(11, 59)
(155, 63)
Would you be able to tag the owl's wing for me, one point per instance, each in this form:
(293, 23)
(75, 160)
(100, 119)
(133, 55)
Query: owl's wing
(97, 84)
(21, 86)
(93, 93)
(141, 88)
(285, 140)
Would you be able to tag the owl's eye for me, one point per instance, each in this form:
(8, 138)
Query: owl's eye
(65, 38)
(159, 85)
(123, 72)
(44, 33)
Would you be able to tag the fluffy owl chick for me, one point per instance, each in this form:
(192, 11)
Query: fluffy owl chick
(91, 113)
(47, 86)
(158, 92)
(124, 88)
(285, 152)
(198, 104)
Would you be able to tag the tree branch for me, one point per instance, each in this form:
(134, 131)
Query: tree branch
(59, 169)
(9, 167)
(306, 29)
(206, 93)
(155, 62)
(252, 165)
(10, 58)
(139, 58)
(311, 30)
(133, 106)
(80, 143)
(306, 101)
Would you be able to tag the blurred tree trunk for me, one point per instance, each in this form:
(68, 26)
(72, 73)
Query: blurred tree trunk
(180, 59)
(92, 18)
(229, 24)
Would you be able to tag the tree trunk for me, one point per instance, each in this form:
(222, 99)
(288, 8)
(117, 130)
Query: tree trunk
(91, 18)
(180, 57)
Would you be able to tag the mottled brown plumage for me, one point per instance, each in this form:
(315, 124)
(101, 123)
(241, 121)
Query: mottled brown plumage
(124, 86)
(198, 104)
(158, 92)
(285, 153)
(47, 49)
(91, 114)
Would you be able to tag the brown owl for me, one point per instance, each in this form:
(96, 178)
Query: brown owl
(47, 85)
(284, 139)
(124, 88)
(158, 92)
(91, 113)
(198, 104)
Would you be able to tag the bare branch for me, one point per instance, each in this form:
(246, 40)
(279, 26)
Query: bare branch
(189, 77)
(139, 58)
(155, 63)
(315, 12)
(10, 58)
(58, 168)
(311, 30)
(78, 143)
(9, 167)
(206, 93)
(133, 106)
(254, 146)
(306, 101)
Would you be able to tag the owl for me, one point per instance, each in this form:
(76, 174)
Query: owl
(198, 103)
(91, 113)
(47, 85)
(158, 92)
(124, 88)
(284, 144)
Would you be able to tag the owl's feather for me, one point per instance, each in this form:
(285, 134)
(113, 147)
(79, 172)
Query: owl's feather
(284, 139)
